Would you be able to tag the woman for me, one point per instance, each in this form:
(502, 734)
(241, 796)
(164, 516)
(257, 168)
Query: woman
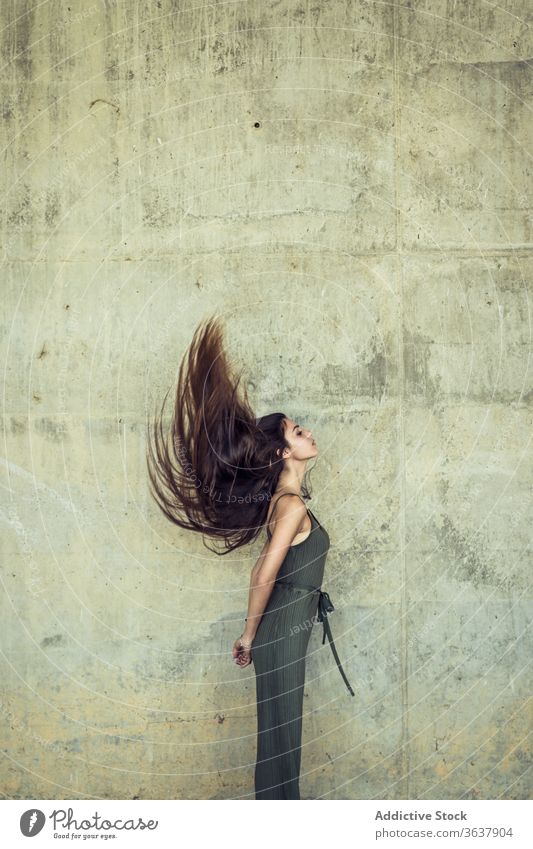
(222, 474)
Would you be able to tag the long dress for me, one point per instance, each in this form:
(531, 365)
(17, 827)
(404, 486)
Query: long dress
(278, 654)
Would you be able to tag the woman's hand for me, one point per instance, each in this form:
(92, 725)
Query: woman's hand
(242, 651)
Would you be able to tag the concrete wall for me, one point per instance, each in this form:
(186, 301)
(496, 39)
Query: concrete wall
(348, 185)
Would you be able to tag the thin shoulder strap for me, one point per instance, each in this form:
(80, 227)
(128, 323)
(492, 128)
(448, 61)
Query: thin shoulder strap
(276, 504)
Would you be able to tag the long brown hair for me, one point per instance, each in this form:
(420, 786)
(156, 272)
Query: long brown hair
(218, 468)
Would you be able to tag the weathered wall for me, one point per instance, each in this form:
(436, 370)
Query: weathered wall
(348, 185)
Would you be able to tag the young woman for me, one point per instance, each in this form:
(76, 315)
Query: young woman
(228, 475)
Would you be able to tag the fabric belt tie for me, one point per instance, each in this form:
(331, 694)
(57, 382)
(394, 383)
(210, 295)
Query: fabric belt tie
(325, 606)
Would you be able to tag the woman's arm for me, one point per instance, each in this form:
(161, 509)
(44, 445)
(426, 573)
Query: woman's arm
(290, 515)
(250, 629)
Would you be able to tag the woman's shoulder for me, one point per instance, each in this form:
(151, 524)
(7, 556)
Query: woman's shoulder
(280, 493)
(277, 497)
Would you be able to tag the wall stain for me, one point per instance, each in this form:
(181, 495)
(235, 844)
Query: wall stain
(52, 209)
(416, 358)
(107, 102)
(465, 555)
(18, 426)
(51, 429)
(368, 378)
(21, 34)
(21, 216)
(52, 641)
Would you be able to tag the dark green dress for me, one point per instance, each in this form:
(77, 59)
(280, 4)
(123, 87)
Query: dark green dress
(278, 654)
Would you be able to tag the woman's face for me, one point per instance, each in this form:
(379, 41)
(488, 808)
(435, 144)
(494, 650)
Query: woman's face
(303, 446)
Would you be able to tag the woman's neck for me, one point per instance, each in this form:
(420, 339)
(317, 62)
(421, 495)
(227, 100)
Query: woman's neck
(291, 481)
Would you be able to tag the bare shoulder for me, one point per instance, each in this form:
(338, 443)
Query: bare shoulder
(283, 495)
(290, 502)
(289, 512)
(287, 519)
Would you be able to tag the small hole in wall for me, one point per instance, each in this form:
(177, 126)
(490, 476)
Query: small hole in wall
(257, 125)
